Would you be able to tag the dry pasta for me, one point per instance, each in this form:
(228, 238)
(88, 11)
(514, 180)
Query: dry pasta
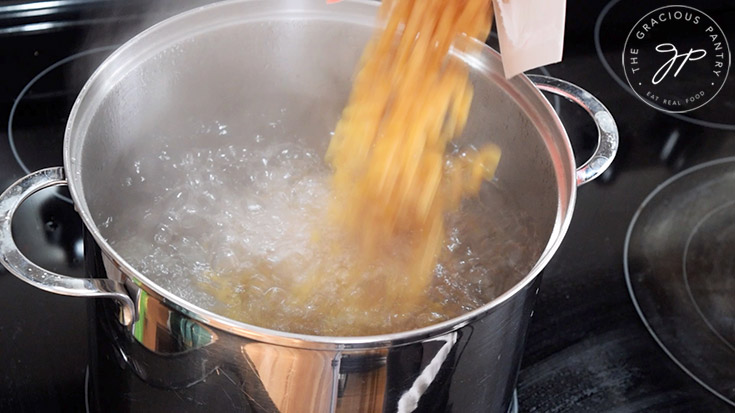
(368, 270)
(392, 180)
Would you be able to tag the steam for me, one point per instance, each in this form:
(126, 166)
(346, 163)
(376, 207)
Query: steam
(110, 24)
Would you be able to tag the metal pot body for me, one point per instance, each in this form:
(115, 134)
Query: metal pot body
(251, 65)
(173, 362)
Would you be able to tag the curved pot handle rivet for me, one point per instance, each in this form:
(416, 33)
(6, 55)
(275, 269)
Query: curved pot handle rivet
(607, 143)
(20, 266)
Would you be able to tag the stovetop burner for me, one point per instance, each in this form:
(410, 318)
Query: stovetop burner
(38, 116)
(679, 266)
(46, 227)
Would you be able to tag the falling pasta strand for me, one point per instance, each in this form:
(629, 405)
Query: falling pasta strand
(367, 270)
(391, 177)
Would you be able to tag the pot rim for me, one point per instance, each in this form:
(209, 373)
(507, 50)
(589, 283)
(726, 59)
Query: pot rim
(520, 88)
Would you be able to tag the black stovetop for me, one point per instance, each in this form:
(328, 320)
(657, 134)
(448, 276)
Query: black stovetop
(587, 349)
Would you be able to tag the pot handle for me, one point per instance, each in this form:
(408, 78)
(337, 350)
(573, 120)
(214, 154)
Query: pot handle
(20, 266)
(607, 141)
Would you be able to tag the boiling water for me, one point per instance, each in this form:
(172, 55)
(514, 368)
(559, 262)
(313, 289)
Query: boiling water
(244, 232)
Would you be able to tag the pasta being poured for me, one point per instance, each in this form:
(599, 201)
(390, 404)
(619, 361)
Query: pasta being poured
(380, 258)
(392, 179)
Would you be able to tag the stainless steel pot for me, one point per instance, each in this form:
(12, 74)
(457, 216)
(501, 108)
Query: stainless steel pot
(246, 62)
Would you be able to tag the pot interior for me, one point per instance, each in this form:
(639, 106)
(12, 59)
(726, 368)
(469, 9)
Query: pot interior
(228, 86)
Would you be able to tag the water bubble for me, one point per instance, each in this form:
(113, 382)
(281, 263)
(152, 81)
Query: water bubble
(106, 223)
(231, 229)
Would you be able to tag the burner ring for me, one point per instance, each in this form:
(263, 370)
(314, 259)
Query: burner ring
(707, 219)
(24, 91)
(657, 260)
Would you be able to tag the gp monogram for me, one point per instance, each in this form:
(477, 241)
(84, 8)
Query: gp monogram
(676, 58)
